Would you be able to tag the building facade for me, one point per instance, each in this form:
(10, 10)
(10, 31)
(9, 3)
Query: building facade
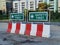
(20, 5)
(3, 6)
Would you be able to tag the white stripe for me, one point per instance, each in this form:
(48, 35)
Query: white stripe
(22, 28)
(46, 31)
(33, 29)
(13, 28)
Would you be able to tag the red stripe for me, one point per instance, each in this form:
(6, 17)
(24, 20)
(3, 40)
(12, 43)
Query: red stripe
(28, 29)
(39, 30)
(9, 27)
(17, 28)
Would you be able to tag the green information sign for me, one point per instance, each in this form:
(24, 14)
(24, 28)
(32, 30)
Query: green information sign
(38, 16)
(17, 16)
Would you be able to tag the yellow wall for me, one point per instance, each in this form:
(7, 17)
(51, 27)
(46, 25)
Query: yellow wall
(58, 3)
(3, 5)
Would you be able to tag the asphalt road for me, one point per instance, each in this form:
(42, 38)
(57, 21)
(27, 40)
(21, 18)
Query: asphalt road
(13, 39)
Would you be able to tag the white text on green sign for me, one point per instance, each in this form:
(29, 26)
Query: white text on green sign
(38, 16)
(17, 16)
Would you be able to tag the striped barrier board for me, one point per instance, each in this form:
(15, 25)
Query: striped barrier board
(40, 30)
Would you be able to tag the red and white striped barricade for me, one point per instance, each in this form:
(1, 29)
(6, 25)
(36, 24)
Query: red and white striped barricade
(41, 30)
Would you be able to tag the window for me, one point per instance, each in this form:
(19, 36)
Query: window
(40, 0)
(23, 6)
(23, 3)
(16, 11)
(16, 5)
(31, 5)
(16, 8)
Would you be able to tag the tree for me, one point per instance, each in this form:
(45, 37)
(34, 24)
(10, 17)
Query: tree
(43, 6)
(25, 14)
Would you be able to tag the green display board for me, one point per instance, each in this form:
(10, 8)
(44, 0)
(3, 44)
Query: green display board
(38, 16)
(17, 16)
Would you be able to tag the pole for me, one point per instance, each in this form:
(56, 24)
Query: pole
(49, 16)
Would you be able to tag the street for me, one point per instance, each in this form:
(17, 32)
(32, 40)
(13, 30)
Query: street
(14, 39)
